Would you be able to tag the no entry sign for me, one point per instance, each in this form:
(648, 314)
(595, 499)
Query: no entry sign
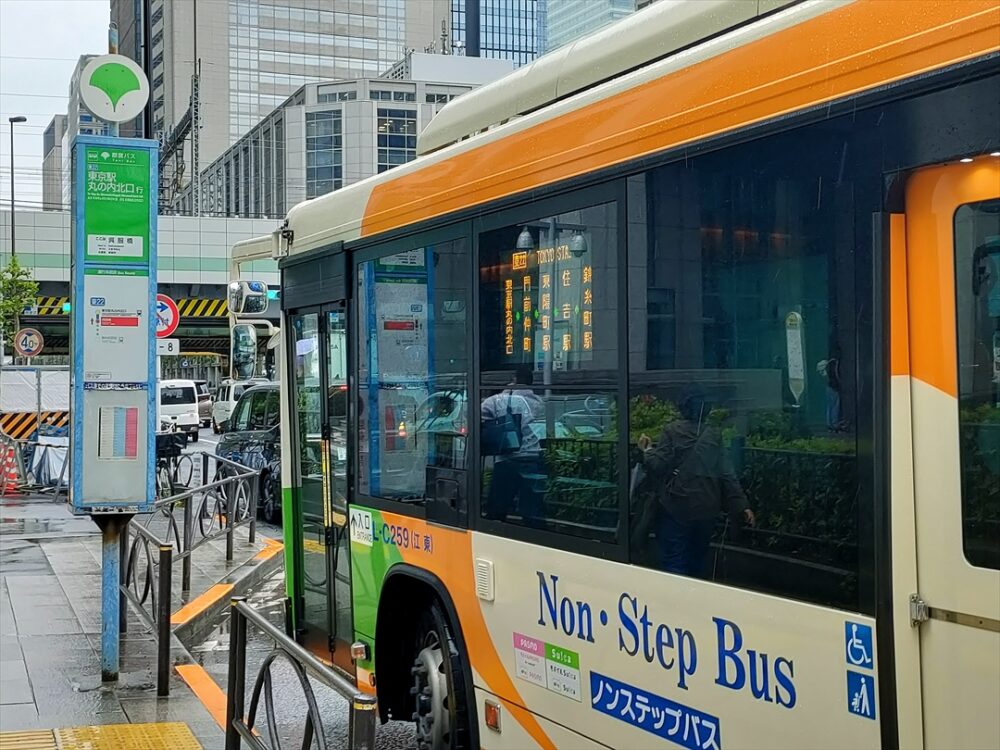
(167, 316)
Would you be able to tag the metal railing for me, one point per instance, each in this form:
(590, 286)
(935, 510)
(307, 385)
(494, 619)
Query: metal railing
(152, 544)
(240, 724)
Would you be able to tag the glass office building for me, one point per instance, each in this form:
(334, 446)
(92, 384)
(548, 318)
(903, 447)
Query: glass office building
(508, 29)
(256, 53)
(568, 20)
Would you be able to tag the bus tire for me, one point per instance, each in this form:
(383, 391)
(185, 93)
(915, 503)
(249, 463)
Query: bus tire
(441, 696)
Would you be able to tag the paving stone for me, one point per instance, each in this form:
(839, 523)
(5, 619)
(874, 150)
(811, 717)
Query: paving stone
(14, 716)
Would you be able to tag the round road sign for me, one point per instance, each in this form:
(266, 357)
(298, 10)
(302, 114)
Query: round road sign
(28, 342)
(167, 316)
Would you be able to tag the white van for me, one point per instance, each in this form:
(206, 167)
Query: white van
(225, 400)
(179, 404)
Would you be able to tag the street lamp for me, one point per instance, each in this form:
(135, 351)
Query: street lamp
(12, 121)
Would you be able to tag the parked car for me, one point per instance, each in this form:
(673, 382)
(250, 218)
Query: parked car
(252, 437)
(225, 399)
(204, 402)
(179, 406)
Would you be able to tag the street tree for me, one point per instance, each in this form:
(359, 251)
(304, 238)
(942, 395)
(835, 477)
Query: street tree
(17, 291)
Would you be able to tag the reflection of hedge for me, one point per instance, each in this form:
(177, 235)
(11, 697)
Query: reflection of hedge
(582, 483)
(805, 502)
(980, 443)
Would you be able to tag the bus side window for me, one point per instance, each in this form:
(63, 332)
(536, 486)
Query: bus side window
(413, 372)
(744, 369)
(977, 296)
(549, 368)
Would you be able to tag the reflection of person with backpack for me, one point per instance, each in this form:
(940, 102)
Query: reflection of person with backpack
(830, 369)
(700, 483)
(508, 435)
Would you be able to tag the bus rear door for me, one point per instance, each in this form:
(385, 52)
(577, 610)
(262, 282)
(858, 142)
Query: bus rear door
(952, 258)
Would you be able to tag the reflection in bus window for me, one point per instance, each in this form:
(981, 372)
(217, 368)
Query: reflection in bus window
(412, 370)
(977, 293)
(550, 297)
(307, 396)
(550, 459)
(743, 378)
(548, 319)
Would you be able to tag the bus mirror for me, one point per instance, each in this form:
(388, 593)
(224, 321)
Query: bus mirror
(243, 351)
(247, 297)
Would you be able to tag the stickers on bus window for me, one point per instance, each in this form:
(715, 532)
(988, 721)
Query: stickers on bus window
(362, 528)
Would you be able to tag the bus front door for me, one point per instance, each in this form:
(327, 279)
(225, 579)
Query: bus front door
(952, 259)
(320, 373)
(334, 343)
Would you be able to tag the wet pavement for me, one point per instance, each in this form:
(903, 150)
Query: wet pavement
(289, 700)
(50, 624)
(50, 640)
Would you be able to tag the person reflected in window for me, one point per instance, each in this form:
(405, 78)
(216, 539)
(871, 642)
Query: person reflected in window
(519, 472)
(698, 483)
(830, 369)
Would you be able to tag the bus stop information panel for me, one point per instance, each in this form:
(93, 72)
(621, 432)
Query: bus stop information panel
(113, 329)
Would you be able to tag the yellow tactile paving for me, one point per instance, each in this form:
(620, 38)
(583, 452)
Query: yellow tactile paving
(160, 736)
(40, 740)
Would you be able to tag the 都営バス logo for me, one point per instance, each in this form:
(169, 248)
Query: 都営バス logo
(114, 88)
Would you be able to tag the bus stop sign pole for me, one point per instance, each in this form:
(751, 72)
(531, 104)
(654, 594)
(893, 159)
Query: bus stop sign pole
(113, 351)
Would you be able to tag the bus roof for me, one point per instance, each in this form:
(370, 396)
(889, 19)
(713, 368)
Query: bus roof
(655, 32)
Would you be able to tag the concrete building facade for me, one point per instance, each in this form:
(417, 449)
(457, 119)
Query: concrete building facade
(52, 164)
(58, 137)
(254, 54)
(329, 135)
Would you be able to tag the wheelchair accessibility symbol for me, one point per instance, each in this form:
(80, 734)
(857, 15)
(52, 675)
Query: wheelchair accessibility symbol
(858, 645)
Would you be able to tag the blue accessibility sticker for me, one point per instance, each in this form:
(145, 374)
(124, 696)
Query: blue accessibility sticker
(684, 726)
(858, 645)
(861, 694)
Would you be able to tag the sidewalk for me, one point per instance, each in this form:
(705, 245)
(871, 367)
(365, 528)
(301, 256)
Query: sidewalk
(50, 623)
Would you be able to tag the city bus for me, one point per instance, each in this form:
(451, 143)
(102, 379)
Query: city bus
(656, 402)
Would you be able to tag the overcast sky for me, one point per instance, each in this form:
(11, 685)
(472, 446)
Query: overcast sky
(40, 42)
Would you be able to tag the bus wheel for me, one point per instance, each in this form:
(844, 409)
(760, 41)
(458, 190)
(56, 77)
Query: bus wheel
(439, 689)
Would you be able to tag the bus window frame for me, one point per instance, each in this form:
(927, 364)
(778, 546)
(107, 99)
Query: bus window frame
(567, 199)
(363, 252)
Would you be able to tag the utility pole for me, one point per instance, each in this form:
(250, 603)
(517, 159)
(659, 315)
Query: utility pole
(195, 121)
(113, 50)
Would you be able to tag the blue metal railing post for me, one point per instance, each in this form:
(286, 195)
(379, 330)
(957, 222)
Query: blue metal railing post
(122, 574)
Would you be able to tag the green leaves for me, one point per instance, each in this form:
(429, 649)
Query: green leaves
(115, 80)
(17, 291)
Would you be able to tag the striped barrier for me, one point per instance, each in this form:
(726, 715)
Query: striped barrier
(190, 307)
(20, 424)
(203, 308)
(50, 305)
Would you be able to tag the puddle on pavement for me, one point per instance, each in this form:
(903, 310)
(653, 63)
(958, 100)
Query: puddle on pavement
(269, 600)
(27, 526)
